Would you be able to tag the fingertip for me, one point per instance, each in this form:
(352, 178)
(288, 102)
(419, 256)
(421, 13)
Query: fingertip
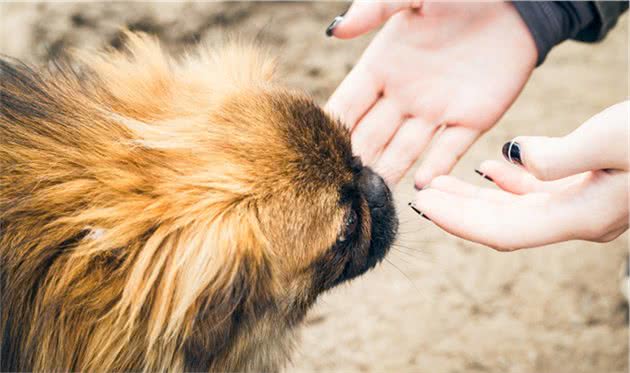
(332, 27)
(489, 166)
(422, 178)
(344, 29)
(337, 27)
(415, 209)
(511, 151)
(339, 31)
(363, 17)
(348, 24)
(490, 169)
(419, 205)
(547, 158)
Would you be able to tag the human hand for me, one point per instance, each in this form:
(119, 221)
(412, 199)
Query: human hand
(458, 65)
(571, 187)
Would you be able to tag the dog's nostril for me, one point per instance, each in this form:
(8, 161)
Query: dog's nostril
(374, 188)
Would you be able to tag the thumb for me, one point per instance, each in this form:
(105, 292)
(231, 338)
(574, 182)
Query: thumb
(363, 17)
(600, 143)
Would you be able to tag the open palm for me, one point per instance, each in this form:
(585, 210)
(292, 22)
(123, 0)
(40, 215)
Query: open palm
(456, 66)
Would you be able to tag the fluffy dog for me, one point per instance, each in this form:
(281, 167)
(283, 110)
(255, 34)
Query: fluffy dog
(166, 215)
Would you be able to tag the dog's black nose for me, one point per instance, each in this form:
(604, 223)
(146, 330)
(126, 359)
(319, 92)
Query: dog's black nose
(374, 188)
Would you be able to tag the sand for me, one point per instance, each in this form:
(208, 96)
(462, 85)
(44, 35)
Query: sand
(440, 304)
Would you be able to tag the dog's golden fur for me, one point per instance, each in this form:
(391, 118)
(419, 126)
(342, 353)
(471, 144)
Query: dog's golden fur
(160, 214)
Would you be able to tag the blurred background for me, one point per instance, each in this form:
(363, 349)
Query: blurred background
(438, 304)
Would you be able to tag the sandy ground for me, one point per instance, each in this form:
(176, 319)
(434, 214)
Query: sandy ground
(441, 304)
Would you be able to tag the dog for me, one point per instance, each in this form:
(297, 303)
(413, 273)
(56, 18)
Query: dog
(171, 214)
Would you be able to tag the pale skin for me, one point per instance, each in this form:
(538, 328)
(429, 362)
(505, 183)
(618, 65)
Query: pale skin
(571, 187)
(459, 67)
(455, 66)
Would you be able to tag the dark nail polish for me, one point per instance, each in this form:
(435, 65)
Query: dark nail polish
(484, 175)
(418, 211)
(331, 28)
(512, 152)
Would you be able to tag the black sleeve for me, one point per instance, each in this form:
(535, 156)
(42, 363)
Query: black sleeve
(552, 22)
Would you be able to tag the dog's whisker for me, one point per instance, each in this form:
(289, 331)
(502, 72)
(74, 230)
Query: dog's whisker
(408, 254)
(404, 274)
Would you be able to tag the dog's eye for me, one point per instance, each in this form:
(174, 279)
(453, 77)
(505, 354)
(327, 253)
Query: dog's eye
(350, 225)
(351, 222)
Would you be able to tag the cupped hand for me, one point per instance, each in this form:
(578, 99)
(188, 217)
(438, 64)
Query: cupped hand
(557, 189)
(456, 66)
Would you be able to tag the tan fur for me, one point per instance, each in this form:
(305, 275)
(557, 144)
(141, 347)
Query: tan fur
(156, 215)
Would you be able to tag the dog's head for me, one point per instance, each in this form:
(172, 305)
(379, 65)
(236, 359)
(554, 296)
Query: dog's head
(187, 200)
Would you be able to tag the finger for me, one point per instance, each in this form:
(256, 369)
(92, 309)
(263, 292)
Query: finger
(363, 17)
(403, 150)
(453, 185)
(449, 146)
(509, 178)
(600, 143)
(502, 226)
(518, 181)
(376, 129)
(354, 96)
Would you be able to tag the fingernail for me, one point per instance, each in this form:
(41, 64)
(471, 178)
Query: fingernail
(418, 211)
(331, 28)
(512, 152)
(484, 175)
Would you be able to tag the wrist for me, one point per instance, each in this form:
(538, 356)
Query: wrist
(523, 39)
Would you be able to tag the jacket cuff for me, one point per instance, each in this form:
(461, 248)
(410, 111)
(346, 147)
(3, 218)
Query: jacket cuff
(551, 23)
